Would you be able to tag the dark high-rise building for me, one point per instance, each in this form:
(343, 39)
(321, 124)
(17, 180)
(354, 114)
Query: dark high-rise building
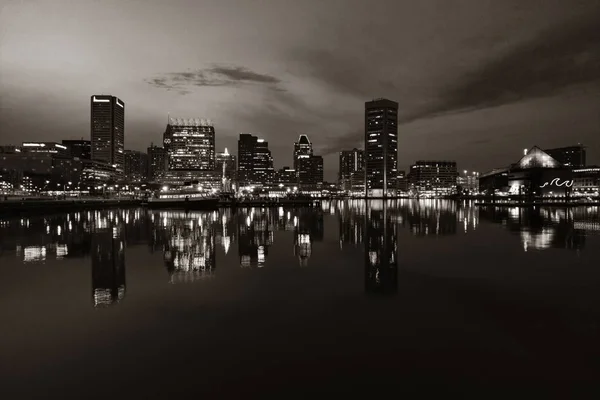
(310, 172)
(157, 162)
(190, 144)
(436, 177)
(572, 156)
(255, 163)
(81, 149)
(136, 165)
(351, 161)
(381, 146)
(302, 149)
(108, 131)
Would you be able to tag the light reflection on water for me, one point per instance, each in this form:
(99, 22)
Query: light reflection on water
(188, 240)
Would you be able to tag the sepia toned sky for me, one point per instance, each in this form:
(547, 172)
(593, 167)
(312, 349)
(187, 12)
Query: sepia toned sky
(476, 80)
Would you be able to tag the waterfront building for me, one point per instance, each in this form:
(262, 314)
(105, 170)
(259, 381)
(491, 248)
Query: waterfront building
(286, 177)
(535, 174)
(136, 165)
(158, 162)
(468, 181)
(310, 172)
(255, 162)
(586, 180)
(381, 147)
(190, 144)
(431, 177)
(402, 182)
(350, 161)
(302, 149)
(571, 156)
(81, 149)
(52, 148)
(108, 131)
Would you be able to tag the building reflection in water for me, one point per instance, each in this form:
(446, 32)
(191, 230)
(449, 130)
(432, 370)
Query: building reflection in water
(255, 235)
(427, 217)
(381, 249)
(108, 260)
(545, 228)
(187, 240)
(307, 230)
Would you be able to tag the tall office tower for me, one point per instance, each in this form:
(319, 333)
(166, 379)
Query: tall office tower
(255, 163)
(310, 172)
(136, 165)
(81, 149)
(381, 146)
(351, 161)
(158, 162)
(108, 131)
(572, 156)
(302, 149)
(226, 168)
(190, 144)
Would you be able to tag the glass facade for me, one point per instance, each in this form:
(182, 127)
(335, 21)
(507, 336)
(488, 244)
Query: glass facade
(108, 131)
(190, 144)
(381, 145)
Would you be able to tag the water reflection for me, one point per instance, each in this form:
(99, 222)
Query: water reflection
(108, 263)
(381, 249)
(545, 228)
(188, 243)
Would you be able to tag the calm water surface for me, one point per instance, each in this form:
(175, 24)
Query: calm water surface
(408, 296)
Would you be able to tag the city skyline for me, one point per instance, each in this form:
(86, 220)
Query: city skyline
(477, 95)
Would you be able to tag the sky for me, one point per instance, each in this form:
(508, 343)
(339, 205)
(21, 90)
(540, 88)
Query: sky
(477, 81)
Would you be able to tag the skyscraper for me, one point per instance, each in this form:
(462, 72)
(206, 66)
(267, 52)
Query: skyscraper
(351, 161)
(310, 172)
(108, 130)
(302, 149)
(381, 146)
(255, 163)
(190, 144)
(157, 162)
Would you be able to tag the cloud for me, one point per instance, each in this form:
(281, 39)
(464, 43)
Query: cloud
(241, 74)
(547, 65)
(343, 74)
(567, 55)
(217, 75)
